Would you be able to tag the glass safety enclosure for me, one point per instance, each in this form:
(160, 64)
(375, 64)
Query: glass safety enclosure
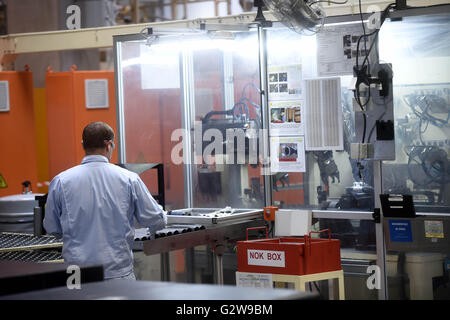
(181, 96)
(419, 49)
(196, 101)
(149, 109)
(340, 195)
(191, 100)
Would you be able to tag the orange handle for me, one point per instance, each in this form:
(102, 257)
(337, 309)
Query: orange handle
(320, 231)
(308, 240)
(255, 228)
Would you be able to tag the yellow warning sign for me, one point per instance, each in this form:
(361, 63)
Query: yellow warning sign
(434, 229)
(3, 183)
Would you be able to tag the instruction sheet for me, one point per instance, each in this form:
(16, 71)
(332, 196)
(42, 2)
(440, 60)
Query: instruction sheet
(336, 49)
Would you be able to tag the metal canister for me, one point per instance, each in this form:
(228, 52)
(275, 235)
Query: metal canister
(17, 213)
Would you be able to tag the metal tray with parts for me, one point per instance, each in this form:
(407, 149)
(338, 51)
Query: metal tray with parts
(19, 241)
(211, 216)
(33, 256)
(143, 234)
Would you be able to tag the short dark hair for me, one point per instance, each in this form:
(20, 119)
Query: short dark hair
(95, 135)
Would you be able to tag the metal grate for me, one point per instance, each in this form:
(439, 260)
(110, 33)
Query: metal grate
(17, 241)
(32, 256)
(323, 114)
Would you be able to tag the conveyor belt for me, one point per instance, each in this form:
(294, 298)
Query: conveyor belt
(212, 216)
(177, 229)
(143, 234)
(17, 241)
(32, 256)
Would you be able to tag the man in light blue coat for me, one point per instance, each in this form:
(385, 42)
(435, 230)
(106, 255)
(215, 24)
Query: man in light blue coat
(92, 206)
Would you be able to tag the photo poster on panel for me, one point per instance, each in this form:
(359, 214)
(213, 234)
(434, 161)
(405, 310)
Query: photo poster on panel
(286, 118)
(287, 154)
(286, 129)
(285, 82)
(285, 100)
(160, 67)
(336, 49)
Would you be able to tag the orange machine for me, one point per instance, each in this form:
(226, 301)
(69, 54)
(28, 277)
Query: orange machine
(18, 160)
(74, 99)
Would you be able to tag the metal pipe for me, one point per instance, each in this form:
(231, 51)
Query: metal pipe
(379, 230)
(120, 134)
(334, 214)
(189, 254)
(165, 266)
(38, 217)
(219, 268)
(188, 107)
(265, 115)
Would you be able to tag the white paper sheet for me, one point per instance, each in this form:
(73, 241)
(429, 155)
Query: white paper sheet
(254, 280)
(285, 82)
(287, 154)
(286, 118)
(336, 49)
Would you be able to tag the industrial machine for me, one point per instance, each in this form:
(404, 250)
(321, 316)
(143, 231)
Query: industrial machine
(17, 213)
(19, 159)
(216, 84)
(200, 100)
(74, 99)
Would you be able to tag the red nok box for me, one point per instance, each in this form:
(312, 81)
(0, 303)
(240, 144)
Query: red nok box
(289, 255)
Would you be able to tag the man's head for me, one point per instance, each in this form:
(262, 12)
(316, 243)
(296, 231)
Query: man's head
(98, 138)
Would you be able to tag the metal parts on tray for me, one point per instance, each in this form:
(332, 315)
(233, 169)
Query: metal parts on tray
(15, 241)
(211, 216)
(144, 234)
(32, 256)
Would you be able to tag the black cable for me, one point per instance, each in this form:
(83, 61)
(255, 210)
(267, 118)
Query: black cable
(376, 32)
(364, 33)
(357, 98)
(421, 132)
(363, 72)
(364, 127)
(249, 84)
(379, 118)
(374, 126)
(421, 153)
(440, 123)
(418, 103)
(317, 287)
(244, 100)
(358, 43)
(366, 36)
